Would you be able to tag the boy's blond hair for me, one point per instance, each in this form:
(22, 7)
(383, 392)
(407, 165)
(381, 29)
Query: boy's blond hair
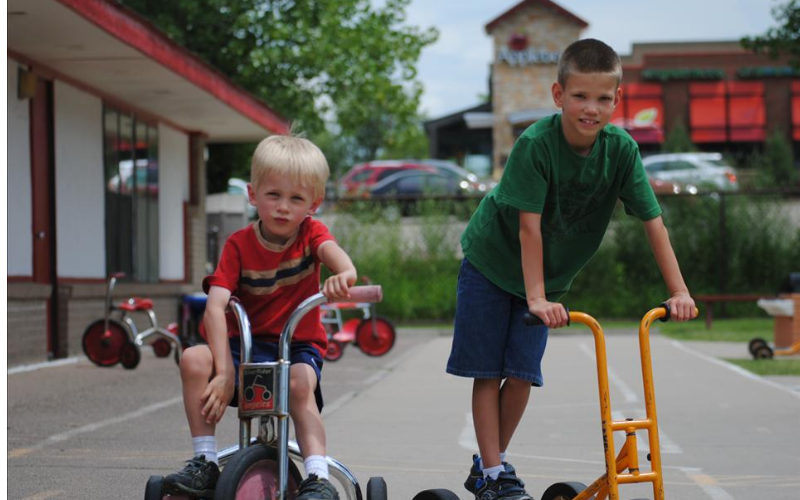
(588, 56)
(291, 156)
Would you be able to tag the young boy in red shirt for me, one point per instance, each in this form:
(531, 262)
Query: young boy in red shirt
(271, 265)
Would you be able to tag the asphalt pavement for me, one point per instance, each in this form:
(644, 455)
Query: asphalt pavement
(78, 431)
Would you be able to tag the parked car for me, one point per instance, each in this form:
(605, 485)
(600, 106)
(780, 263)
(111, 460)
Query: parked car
(464, 177)
(409, 186)
(692, 169)
(239, 186)
(360, 178)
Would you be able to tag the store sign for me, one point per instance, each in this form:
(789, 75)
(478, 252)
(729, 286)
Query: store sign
(518, 54)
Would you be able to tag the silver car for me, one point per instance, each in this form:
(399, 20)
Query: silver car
(707, 170)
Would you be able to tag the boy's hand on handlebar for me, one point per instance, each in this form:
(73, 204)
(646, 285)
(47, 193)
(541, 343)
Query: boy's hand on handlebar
(216, 397)
(337, 287)
(681, 306)
(552, 314)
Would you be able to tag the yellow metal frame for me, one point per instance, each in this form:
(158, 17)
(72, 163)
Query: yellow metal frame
(787, 351)
(607, 486)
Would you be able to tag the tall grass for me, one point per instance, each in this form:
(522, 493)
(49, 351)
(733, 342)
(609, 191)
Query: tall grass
(725, 244)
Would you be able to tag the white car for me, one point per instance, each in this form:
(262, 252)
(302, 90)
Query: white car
(696, 169)
(239, 186)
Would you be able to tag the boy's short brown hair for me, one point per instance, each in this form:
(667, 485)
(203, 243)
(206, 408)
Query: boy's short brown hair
(298, 158)
(588, 56)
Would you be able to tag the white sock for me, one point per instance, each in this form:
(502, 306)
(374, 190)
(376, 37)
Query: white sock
(317, 465)
(502, 459)
(493, 472)
(206, 445)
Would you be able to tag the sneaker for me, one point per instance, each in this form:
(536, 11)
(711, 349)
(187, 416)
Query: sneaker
(314, 488)
(198, 479)
(475, 473)
(505, 487)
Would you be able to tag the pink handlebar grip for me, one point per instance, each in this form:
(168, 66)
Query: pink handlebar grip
(368, 293)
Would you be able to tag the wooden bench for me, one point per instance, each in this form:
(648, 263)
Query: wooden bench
(709, 300)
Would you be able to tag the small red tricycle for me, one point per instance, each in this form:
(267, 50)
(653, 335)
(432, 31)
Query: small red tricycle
(111, 340)
(373, 334)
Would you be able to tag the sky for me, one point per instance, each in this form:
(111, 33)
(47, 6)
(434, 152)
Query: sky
(455, 70)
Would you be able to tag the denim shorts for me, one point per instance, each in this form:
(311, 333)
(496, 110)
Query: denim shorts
(491, 340)
(268, 351)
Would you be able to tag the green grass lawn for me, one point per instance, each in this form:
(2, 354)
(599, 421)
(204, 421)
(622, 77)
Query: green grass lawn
(722, 330)
(776, 366)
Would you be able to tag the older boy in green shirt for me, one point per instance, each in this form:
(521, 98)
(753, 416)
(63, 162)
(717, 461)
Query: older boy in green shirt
(528, 240)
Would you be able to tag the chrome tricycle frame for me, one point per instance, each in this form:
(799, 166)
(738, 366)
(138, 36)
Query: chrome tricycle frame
(273, 412)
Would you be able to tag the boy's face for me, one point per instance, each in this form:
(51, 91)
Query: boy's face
(587, 102)
(282, 205)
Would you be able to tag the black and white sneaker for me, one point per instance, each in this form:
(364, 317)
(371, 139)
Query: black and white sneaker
(476, 474)
(198, 479)
(315, 488)
(505, 487)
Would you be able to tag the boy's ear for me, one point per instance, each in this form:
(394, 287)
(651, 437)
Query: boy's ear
(558, 94)
(618, 96)
(251, 194)
(314, 206)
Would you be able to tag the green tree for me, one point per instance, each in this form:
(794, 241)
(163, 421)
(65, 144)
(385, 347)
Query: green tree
(327, 65)
(775, 166)
(678, 139)
(783, 40)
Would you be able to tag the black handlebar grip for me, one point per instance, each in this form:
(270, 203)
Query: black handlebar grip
(533, 320)
(666, 307)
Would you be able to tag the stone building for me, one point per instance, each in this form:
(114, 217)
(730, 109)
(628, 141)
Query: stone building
(727, 98)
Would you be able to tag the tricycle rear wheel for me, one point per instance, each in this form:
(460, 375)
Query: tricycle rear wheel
(376, 489)
(563, 491)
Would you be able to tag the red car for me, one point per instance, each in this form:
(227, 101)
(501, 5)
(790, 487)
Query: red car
(362, 176)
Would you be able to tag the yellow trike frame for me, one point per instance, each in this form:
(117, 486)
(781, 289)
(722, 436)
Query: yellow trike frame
(607, 486)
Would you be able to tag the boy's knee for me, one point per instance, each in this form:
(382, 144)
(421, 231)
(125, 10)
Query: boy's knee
(302, 382)
(196, 361)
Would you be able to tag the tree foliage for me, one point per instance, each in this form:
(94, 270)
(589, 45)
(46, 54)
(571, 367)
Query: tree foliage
(783, 40)
(340, 67)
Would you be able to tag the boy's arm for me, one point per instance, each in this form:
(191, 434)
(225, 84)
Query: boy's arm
(552, 314)
(680, 303)
(344, 272)
(219, 391)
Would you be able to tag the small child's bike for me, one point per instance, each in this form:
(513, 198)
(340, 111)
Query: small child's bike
(264, 468)
(373, 334)
(623, 468)
(116, 339)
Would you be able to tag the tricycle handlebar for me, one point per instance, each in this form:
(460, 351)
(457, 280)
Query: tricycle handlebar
(370, 293)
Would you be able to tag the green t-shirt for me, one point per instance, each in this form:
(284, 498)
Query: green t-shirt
(576, 196)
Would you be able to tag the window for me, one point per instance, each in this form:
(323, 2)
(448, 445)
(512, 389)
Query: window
(732, 111)
(131, 180)
(641, 112)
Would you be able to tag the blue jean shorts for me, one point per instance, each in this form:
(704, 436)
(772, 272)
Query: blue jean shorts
(491, 340)
(268, 351)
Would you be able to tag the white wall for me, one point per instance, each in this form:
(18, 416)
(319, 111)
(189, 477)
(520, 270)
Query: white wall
(80, 204)
(20, 205)
(173, 191)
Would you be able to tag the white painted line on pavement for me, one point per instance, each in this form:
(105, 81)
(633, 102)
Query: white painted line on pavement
(57, 438)
(467, 439)
(342, 400)
(667, 445)
(708, 484)
(44, 364)
(629, 395)
(736, 369)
